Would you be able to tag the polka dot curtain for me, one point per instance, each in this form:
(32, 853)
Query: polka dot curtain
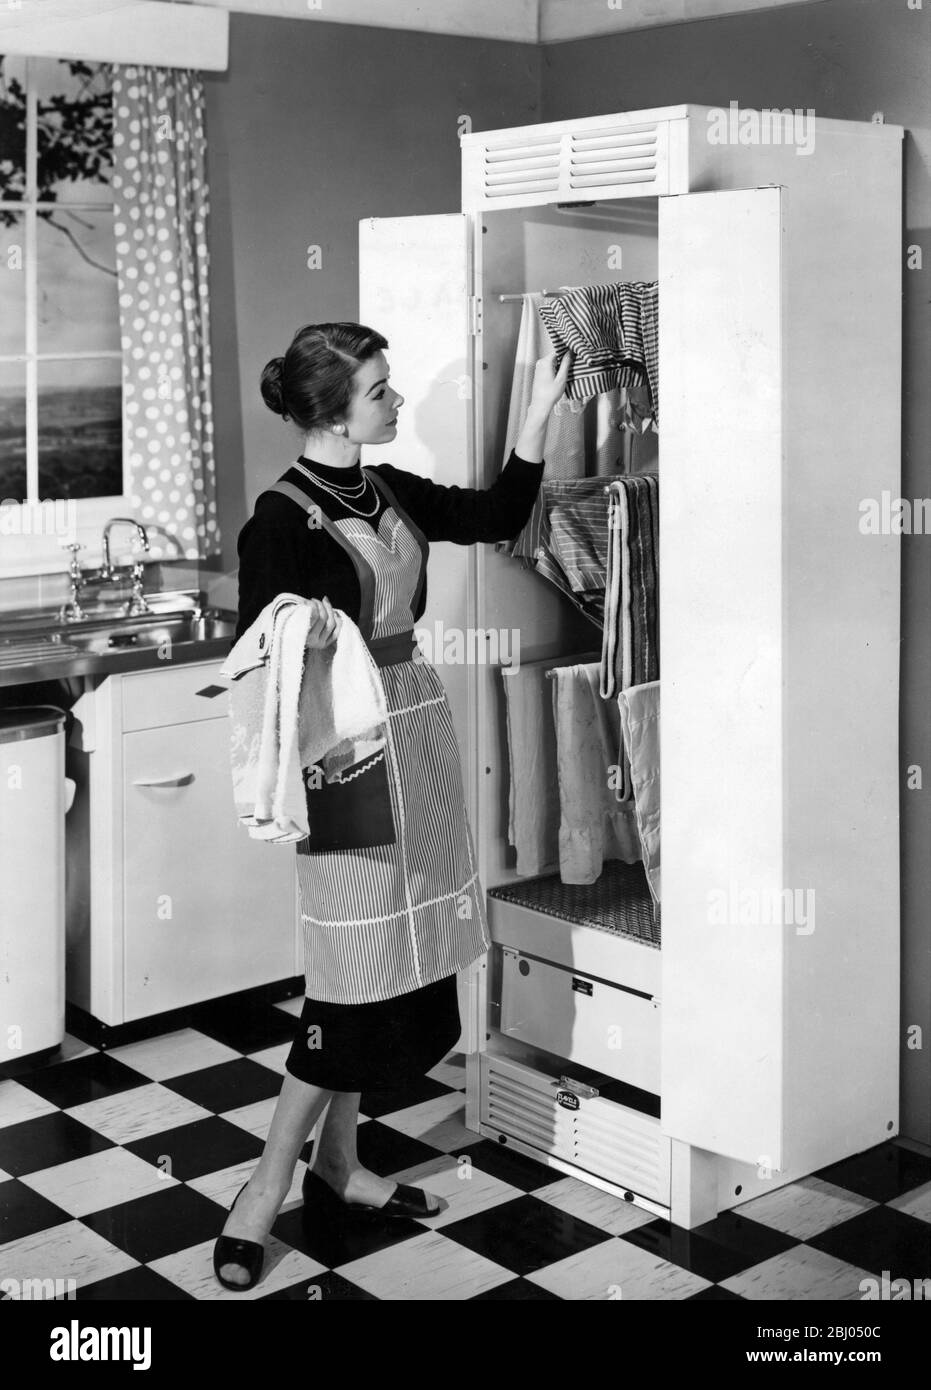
(161, 205)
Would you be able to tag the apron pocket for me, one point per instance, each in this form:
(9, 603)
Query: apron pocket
(351, 813)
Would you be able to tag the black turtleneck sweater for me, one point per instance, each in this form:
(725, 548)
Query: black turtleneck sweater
(278, 553)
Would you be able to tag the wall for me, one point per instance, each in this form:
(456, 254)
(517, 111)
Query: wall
(847, 59)
(314, 127)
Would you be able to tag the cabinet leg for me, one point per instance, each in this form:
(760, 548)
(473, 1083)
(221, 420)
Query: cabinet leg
(694, 1183)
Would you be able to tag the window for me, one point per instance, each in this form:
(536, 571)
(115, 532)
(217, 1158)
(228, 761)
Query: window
(60, 360)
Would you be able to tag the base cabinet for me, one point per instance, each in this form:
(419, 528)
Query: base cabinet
(182, 905)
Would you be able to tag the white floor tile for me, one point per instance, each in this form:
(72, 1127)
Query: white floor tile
(136, 1114)
(425, 1268)
(255, 1118)
(18, 1103)
(805, 1208)
(915, 1203)
(800, 1273)
(174, 1054)
(68, 1251)
(439, 1122)
(590, 1204)
(97, 1181)
(292, 1006)
(466, 1188)
(221, 1187)
(449, 1073)
(273, 1057)
(192, 1270)
(615, 1270)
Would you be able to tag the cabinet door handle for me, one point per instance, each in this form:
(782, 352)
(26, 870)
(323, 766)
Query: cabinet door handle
(178, 779)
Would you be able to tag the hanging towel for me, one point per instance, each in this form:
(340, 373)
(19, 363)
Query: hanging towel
(291, 708)
(592, 825)
(533, 788)
(612, 330)
(639, 711)
(630, 637)
(564, 448)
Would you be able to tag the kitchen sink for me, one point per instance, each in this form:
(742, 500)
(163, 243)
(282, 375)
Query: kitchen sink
(149, 630)
(177, 628)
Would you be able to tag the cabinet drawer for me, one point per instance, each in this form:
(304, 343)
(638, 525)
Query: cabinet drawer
(581, 1018)
(174, 695)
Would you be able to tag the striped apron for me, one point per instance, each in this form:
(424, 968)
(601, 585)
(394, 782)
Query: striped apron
(385, 921)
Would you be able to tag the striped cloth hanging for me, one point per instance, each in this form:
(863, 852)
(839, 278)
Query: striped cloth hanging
(630, 639)
(612, 331)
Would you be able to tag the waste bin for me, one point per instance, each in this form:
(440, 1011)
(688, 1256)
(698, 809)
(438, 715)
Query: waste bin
(32, 880)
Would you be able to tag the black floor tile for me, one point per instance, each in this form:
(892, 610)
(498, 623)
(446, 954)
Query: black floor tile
(524, 1234)
(161, 1223)
(881, 1173)
(86, 1078)
(514, 1290)
(133, 1286)
(385, 1150)
(204, 1146)
(228, 1085)
(45, 1141)
(246, 1027)
(386, 1102)
(323, 1288)
(23, 1212)
(881, 1239)
(508, 1165)
(334, 1237)
(715, 1250)
(714, 1294)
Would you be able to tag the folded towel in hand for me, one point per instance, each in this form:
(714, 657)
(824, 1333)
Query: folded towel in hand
(291, 708)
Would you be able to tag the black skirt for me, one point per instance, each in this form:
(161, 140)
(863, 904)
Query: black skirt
(364, 1047)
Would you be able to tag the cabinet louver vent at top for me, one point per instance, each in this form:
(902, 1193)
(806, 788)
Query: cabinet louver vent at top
(525, 168)
(624, 155)
(628, 159)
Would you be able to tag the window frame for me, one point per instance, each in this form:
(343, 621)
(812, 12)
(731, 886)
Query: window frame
(24, 553)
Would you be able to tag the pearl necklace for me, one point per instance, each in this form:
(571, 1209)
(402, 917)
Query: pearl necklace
(342, 494)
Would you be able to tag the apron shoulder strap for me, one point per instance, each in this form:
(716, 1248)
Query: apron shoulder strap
(316, 519)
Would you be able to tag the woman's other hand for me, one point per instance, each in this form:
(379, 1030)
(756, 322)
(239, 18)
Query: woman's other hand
(325, 623)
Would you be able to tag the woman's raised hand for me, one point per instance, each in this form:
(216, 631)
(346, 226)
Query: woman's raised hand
(325, 623)
(549, 383)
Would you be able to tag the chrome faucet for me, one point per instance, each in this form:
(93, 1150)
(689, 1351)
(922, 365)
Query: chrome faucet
(136, 602)
(106, 574)
(106, 569)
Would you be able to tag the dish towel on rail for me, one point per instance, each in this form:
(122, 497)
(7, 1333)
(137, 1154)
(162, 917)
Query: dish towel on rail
(593, 826)
(613, 332)
(533, 786)
(639, 710)
(630, 637)
(291, 708)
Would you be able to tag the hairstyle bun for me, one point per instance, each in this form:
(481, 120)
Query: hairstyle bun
(272, 386)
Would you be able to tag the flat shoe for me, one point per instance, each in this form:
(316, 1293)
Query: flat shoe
(404, 1200)
(230, 1250)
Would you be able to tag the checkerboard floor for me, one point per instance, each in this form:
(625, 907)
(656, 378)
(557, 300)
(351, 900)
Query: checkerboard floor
(117, 1168)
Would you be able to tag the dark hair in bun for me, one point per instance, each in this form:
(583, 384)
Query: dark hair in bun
(312, 383)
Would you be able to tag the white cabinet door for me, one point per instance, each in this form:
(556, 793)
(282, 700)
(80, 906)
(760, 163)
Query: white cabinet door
(780, 887)
(206, 910)
(414, 282)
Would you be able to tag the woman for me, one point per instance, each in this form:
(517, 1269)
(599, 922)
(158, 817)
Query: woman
(390, 901)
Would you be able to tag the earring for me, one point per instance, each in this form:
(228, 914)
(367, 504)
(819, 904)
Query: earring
(339, 429)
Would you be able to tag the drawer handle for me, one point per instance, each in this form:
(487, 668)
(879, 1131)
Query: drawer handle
(179, 779)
